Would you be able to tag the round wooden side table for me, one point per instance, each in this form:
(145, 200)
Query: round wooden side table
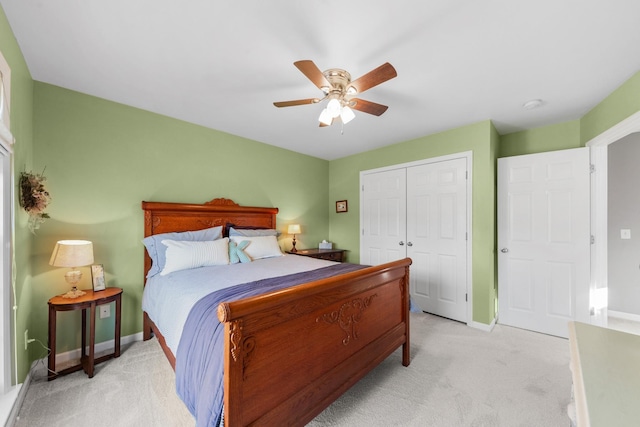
(88, 301)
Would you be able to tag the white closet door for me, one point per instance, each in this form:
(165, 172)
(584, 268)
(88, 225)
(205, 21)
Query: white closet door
(436, 234)
(384, 217)
(544, 240)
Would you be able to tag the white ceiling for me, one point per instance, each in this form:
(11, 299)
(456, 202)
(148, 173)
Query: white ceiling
(222, 64)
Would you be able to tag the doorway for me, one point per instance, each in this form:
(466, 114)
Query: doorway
(624, 228)
(600, 216)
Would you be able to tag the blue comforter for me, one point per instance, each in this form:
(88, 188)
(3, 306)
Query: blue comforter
(200, 358)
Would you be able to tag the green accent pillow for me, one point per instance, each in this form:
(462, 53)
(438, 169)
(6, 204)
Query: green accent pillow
(236, 252)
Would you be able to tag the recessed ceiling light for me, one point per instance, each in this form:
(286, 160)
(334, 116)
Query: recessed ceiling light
(534, 103)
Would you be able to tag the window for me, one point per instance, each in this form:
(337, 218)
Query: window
(7, 328)
(5, 88)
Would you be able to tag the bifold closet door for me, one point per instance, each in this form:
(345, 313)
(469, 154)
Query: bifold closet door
(421, 212)
(384, 207)
(437, 237)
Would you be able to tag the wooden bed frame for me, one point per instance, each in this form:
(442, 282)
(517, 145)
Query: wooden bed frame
(289, 354)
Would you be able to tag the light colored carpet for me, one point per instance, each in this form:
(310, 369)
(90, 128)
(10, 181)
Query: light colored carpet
(136, 389)
(459, 376)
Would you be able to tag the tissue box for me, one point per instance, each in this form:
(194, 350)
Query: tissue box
(325, 245)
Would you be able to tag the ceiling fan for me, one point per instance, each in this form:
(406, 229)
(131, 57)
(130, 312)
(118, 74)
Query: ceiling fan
(338, 88)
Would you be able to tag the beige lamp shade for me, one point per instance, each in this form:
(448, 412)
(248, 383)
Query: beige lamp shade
(294, 229)
(72, 253)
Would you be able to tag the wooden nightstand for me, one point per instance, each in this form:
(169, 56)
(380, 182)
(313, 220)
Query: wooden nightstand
(328, 254)
(88, 301)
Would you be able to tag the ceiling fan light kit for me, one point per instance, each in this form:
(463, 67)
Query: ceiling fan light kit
(347, 114)
(333, 107)
(325, 117)
(338, 88)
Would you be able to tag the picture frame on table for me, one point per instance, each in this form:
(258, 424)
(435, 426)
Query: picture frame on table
(341, 206)
(97, 277)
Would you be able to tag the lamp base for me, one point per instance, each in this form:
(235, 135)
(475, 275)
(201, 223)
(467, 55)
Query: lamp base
(293, 249)
(74, 293)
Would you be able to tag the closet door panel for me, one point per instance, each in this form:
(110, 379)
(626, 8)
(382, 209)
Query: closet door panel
(436, 237)
(384, 217)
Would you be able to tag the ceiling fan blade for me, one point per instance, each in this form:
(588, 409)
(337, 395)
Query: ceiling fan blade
(313, 73)
(368, 106)
(296, 102)
(374, 77)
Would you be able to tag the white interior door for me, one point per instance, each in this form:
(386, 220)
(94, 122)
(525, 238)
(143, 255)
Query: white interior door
(383, 207)
(544, 240)
(436, 237)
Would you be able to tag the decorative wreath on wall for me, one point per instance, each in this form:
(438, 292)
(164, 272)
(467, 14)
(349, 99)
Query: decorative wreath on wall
(34, 198)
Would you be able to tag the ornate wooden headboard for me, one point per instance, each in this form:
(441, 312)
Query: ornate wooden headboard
(163, 217)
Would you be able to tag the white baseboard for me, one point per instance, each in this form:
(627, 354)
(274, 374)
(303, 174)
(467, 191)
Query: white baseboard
(100, 347)
(482, 326)
(15, 397)
(623, 315)
(10, 403)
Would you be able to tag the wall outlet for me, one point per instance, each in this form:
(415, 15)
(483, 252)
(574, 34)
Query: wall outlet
(105, 311)
(625, 233)
(27, 341)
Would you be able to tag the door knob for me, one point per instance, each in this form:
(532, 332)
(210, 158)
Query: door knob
(504, 250)
(401, 243)
(409, 244)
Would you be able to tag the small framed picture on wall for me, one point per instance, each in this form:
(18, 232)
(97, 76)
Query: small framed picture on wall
(341, 206)
(97, 277)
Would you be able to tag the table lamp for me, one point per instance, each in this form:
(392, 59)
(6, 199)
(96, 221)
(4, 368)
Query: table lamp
(294, 229)
(72, 253)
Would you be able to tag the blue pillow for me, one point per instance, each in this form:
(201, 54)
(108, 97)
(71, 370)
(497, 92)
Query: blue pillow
(253, 232)
(158, 252)
(236, 252)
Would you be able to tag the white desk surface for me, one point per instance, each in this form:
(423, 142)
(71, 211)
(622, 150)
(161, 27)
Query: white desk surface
(605, 366)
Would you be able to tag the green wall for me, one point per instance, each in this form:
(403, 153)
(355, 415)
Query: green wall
(482, 139)
(547, 138)
(102, 159)
(22, 130)
(620, 104)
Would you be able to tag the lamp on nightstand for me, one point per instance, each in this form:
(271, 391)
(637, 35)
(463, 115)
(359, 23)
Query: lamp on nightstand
(294, 229)
(72, 253)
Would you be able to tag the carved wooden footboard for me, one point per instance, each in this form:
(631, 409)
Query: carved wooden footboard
(290, 354)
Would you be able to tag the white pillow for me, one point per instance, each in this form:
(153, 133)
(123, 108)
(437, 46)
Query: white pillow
(183, 255)
(259, 246)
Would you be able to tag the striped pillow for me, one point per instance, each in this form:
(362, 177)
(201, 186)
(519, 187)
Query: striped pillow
(184, 255)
